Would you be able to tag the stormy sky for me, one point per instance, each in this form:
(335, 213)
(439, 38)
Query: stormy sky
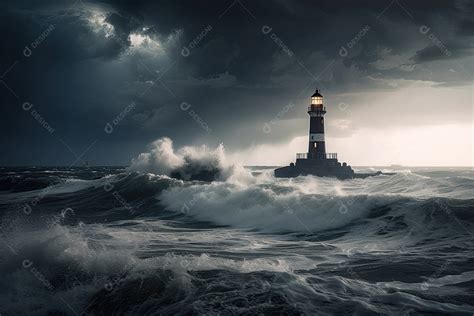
(97, 81)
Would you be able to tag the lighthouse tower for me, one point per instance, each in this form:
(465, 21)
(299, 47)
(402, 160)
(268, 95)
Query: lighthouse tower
(317, 161)
(316, 111)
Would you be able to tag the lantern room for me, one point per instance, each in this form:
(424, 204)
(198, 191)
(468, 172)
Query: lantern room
(317, 98)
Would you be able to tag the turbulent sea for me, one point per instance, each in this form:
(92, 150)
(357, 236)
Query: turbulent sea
(108, 241)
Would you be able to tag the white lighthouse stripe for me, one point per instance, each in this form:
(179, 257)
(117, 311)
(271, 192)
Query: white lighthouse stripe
(316, 137)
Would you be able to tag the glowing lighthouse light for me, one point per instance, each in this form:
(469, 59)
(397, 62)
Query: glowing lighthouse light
(317, 98)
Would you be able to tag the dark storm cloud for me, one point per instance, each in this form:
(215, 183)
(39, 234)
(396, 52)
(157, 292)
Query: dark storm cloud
(440, 50)
(101, 57)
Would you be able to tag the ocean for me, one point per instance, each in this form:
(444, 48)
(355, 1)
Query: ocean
(110, 241)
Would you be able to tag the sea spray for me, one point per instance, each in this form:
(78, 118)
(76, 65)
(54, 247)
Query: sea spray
(188, 163)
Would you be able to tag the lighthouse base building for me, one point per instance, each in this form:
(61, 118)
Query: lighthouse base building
(317, 161)
(317, 167)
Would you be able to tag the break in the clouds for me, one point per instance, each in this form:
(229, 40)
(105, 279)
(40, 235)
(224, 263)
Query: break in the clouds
(109, 77)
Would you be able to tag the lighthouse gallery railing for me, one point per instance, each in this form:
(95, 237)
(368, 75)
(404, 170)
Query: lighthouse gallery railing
(319, 156)
(316, 109)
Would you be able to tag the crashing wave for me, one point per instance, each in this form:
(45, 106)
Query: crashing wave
(187, 163)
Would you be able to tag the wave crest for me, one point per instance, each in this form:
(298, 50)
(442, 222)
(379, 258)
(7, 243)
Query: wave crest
(187, 163)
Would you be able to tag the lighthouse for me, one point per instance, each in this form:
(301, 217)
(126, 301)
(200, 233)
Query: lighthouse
(316, 111)
(317, 161)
